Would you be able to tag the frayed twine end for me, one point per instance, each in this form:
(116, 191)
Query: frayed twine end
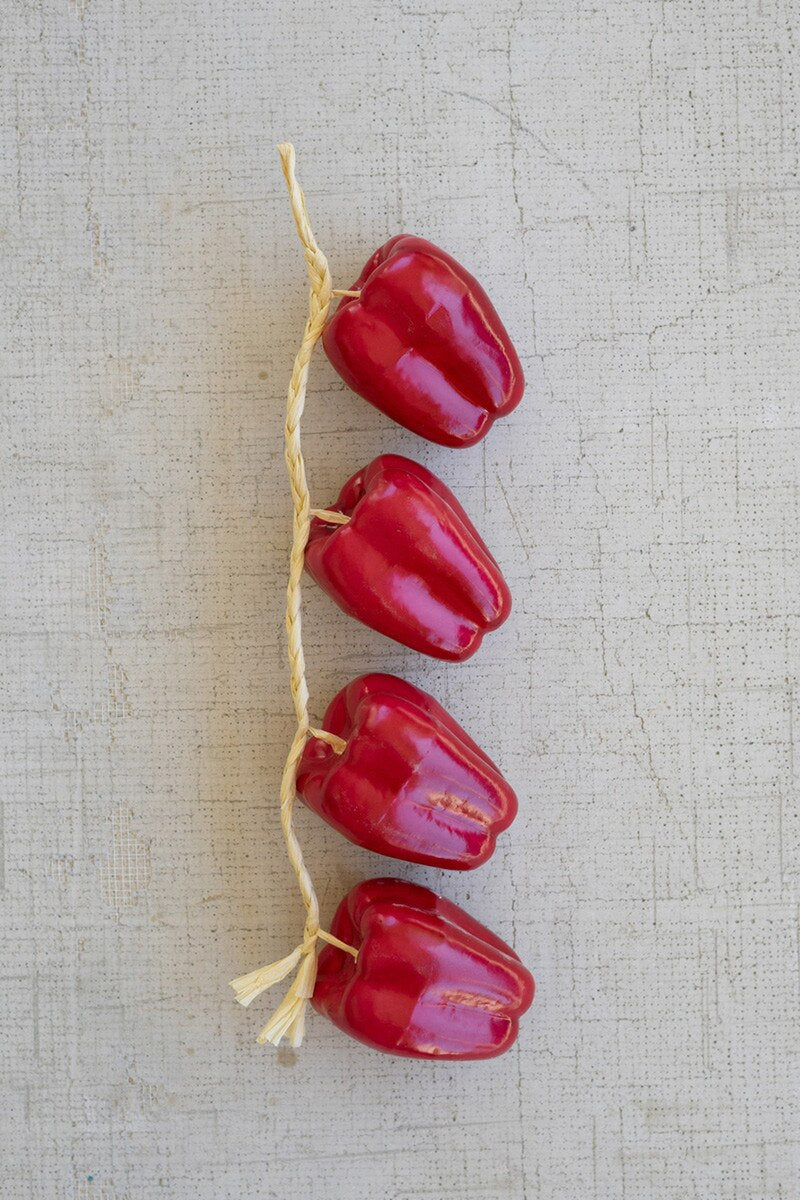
(288, 1020)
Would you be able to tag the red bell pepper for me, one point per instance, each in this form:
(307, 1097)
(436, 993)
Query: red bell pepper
(410, 783)
(429, 981)
(423, 343)
(409, 562)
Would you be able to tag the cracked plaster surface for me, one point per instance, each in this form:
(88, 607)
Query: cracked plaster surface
(622, 177)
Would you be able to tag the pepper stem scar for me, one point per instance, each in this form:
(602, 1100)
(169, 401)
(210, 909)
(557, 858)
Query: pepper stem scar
(288, 1020)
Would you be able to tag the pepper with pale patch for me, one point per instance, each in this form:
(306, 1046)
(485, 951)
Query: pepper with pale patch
(428, 980)
(402, 778)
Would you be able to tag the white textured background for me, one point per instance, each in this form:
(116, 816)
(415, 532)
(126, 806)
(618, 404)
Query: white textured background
(623, 177)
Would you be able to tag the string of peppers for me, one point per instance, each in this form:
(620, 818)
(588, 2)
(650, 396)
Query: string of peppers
(403, 969)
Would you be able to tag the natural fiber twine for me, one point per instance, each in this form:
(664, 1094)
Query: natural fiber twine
(288, 1020)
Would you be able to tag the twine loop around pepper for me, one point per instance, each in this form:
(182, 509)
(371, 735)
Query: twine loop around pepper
(288, 1020)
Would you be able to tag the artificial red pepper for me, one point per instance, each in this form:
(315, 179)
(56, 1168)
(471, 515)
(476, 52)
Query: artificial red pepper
(410, 782)
(429, 981)
(409, 562)
(423, 343)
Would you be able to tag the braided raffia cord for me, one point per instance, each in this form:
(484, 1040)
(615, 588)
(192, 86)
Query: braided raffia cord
(288, 1020)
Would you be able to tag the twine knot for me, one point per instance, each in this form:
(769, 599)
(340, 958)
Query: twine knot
(288, 1020)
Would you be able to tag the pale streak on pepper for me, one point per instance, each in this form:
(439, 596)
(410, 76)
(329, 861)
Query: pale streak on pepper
(288, 1020)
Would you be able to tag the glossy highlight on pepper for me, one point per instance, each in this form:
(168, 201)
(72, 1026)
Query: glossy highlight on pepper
(428, 982)
(410, 783)
(422, 342)
(409, 562)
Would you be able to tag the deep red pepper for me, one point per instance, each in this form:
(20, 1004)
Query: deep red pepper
(429, 981)
(411, 783)
(409, 563)
(423, 343)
